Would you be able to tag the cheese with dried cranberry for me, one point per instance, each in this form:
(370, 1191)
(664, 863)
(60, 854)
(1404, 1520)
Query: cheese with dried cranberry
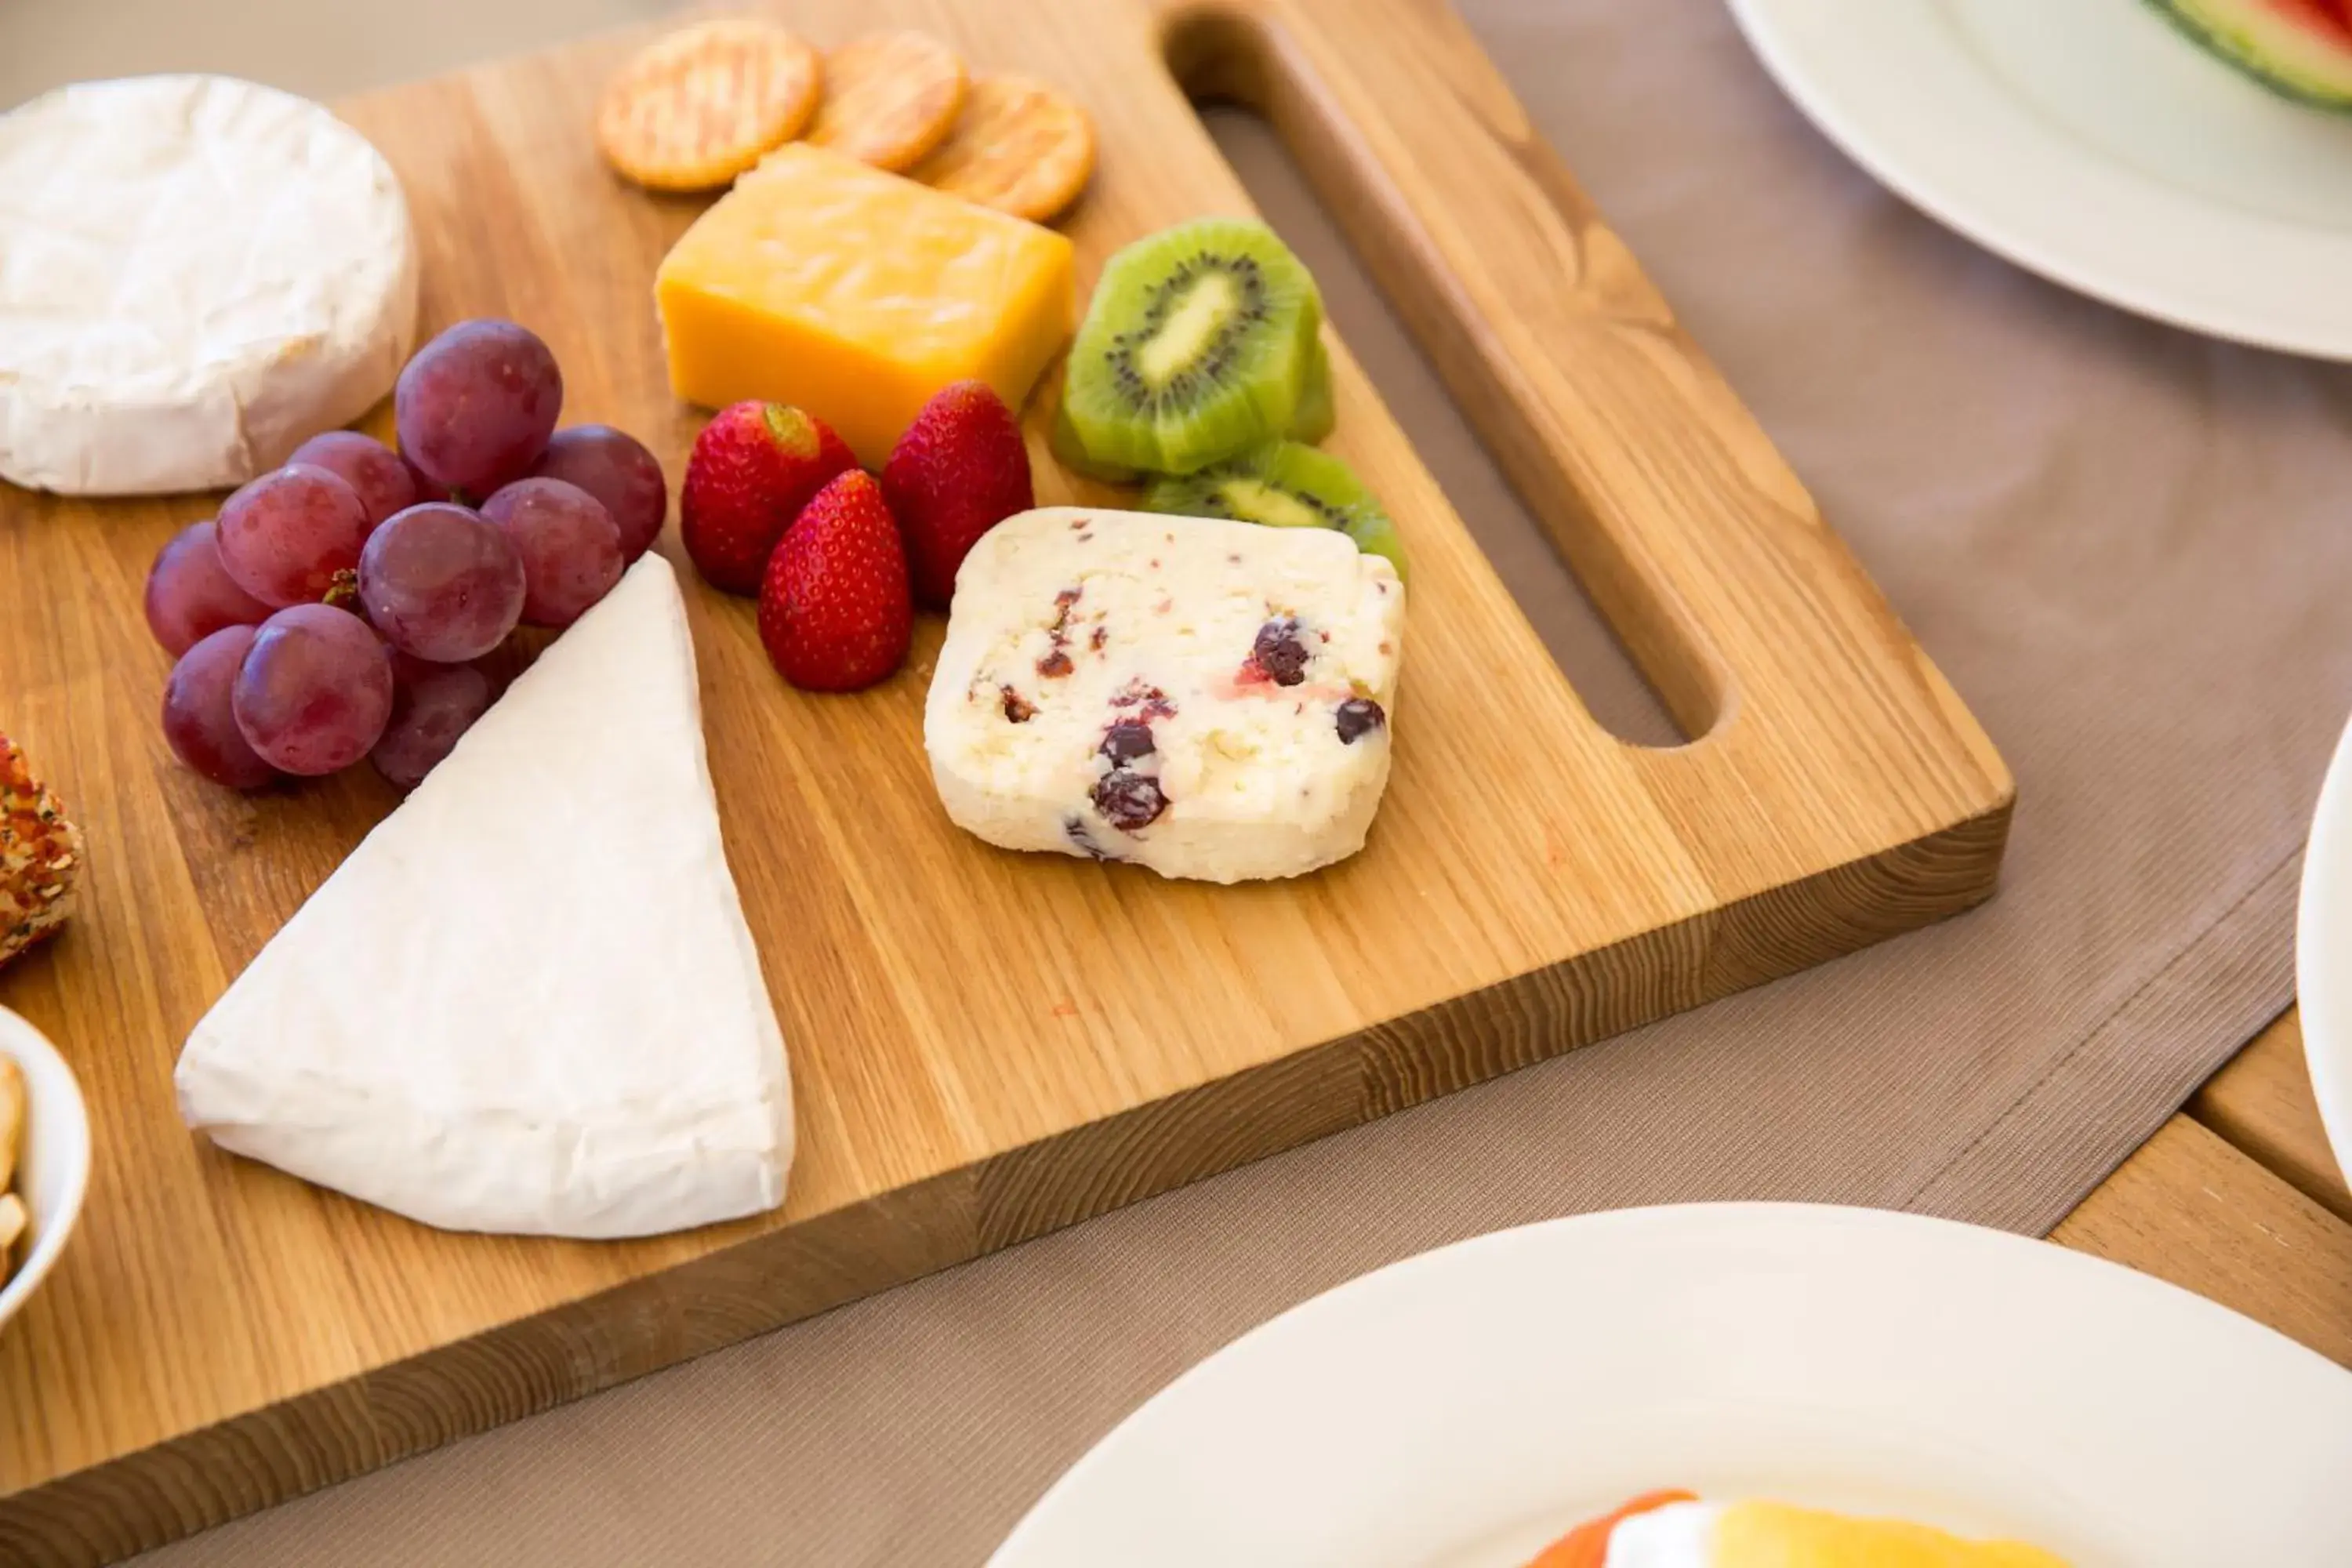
(1212, 699)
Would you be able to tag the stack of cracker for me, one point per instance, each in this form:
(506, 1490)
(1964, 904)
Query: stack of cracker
(702, 107)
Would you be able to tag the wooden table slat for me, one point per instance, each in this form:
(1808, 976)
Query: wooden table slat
(2190, 1208)
(2262, 1104)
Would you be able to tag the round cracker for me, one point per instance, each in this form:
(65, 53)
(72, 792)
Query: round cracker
(1020, 146)
(889, 99)
(696, 109)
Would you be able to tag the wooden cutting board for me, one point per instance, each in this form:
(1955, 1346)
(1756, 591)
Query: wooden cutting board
(985, 1045)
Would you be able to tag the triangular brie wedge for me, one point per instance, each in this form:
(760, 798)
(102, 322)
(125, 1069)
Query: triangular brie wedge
(529, 1001)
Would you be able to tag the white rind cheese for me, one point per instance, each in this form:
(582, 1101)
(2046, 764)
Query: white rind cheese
(197, 274)
(529, 1001)
(1208, 699)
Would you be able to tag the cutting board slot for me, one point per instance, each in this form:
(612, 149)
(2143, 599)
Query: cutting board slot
(1652, 679)
(1574, 631)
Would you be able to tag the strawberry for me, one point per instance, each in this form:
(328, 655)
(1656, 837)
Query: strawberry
(960, 469)
(833, 610)
(753, 468)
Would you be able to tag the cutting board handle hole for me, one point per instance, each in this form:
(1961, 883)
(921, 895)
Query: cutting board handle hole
(1231, 68)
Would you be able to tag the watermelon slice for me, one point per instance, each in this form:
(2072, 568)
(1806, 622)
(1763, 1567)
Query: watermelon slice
(2301, 48)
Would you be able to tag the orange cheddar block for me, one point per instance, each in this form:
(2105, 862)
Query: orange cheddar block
(856, 295)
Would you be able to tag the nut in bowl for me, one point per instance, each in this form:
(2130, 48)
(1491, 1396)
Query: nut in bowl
(43, 1159)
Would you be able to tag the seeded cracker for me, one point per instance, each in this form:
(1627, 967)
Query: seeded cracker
(40, 856)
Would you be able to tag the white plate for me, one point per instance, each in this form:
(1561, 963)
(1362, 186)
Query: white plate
(2088, 141)
(1460, 1408)
(2323, 952)
(56, 1164)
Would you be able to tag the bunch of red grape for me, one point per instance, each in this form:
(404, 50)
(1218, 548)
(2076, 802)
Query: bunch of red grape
(338, 606)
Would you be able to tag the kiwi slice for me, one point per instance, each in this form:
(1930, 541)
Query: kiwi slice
(1194, 348)
(1283, 485)
(1315, 417)
(1061, 439)
(1316, 413)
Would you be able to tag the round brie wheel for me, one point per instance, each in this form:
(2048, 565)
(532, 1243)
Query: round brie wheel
(197, 274)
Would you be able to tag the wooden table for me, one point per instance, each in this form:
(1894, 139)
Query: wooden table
(2238, 1199)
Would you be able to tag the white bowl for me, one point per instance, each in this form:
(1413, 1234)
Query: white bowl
(54, 1170)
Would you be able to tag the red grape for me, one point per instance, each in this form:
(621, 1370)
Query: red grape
(570, 547)
(284, 537)
(433, 705)
(475, 405)
(190, 594)
(441, 582)
(425, 489)
(315, 691)
(198, 721)
(373, 469)
(617, 470)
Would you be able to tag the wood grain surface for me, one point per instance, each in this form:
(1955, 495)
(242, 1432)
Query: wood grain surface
(2262, 1102)
(2215, 1202)
(985, 1045)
